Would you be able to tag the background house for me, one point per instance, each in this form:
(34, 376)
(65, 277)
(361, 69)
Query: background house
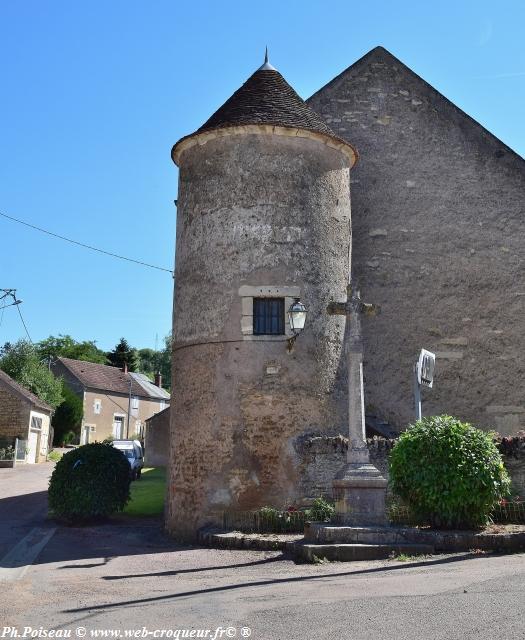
(116, 403)
(24, 416)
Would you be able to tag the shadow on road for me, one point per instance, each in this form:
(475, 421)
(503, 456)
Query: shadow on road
(165, 574)
(19, 515)
(129, 537)
(23, 518)
(27, 509)
(265, 583)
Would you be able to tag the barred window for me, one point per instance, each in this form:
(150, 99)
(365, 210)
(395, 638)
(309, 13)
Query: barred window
(268, 316)
(36, 423)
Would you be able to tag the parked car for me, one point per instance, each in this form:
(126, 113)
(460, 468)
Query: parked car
(132, 449)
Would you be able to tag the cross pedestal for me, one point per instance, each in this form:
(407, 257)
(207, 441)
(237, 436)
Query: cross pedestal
(359, 488)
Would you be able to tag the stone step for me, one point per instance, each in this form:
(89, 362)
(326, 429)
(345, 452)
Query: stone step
(446, 541)
(334, 534)
(352, 552)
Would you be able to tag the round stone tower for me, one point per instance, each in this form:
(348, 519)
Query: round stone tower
(263, 218)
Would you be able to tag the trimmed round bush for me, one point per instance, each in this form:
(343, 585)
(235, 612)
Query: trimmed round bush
(449, 473)
(89, 482)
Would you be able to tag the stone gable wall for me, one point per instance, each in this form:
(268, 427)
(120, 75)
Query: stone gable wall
(14, 415)
(438, 215)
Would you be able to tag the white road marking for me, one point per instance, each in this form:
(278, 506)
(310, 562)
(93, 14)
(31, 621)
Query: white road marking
(16, 562)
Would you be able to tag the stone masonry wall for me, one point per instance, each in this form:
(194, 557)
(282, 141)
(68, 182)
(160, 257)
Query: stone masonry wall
(14, 415)
(157, 439)
(438, 220)
(321, 457)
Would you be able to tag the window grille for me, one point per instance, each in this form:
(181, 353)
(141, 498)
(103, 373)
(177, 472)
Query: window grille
(36, 423)
(268, 316)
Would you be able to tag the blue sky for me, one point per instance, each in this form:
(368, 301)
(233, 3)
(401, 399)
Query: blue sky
(94, 94)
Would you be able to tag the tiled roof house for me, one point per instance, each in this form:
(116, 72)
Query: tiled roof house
(116, 403)
(24, 416)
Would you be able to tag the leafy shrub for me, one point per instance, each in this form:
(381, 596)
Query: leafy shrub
(54, 456)
(449, 473)
(69, 437)
(269, 512)
(91, 481)
(267, 520)
(320, 511)
(7, 453)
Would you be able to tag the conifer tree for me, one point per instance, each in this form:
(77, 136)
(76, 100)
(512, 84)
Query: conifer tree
(123, 354)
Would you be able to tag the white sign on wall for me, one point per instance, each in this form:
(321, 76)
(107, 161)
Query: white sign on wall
(425, 368)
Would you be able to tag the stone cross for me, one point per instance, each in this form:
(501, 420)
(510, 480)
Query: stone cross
(359, 488)
(352, 309)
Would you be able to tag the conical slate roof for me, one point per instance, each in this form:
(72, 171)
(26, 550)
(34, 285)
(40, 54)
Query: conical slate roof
(266, 98)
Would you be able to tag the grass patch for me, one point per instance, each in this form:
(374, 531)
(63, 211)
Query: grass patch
(54, 456)
(147, 494)
(404, 557)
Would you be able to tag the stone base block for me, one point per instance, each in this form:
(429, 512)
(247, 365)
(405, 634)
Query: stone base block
(359, 492)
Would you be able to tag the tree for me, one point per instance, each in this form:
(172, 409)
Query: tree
(165, 362)
(67, 347)
(22, 362)
(123, 354)
(148, 361)
(68, 415)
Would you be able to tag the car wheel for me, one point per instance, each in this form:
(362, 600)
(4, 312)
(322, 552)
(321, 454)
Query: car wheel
(138, 474)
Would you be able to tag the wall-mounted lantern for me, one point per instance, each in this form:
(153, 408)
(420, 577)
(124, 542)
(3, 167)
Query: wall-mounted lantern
(297, 317)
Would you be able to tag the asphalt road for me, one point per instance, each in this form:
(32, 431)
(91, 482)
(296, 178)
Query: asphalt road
(23, 501)
(128, 577)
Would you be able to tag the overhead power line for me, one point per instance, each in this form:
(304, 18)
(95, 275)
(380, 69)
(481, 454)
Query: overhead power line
(86, 246)
(25, 327)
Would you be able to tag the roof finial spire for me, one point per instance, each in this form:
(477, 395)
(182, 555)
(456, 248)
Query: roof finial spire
(266, 66)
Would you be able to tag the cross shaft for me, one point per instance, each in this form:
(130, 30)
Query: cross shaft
(353, 308)
(359, 488)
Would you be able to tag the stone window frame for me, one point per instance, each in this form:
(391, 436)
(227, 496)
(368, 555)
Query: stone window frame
(248, 292)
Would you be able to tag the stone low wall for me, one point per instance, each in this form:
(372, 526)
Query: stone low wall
(321, 457)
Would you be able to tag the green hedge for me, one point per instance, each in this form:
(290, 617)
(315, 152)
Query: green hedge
(89, 482)
(450, 474)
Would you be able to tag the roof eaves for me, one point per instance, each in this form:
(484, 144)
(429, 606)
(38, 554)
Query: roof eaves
(151, 389)
(23, 393)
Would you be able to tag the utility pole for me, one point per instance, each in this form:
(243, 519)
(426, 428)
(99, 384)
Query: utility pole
(417, 394)
(129, 405)
(5, 293)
